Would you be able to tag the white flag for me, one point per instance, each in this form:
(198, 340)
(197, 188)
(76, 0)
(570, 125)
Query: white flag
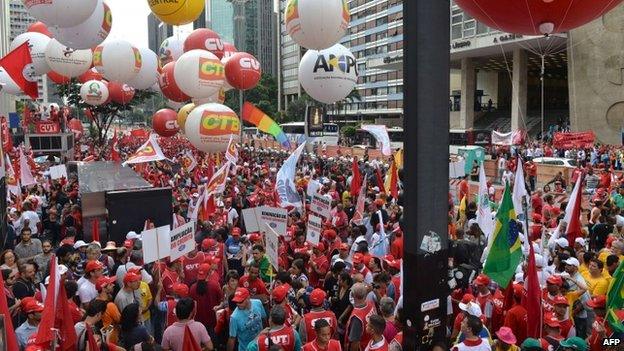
(12, 181)
(381, 135)
(484, 213)
(26, 177)
(148, 152)
(519, 189)
(285, 183)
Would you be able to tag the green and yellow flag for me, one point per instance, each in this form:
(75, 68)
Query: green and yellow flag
(615, 299)
(505, 250)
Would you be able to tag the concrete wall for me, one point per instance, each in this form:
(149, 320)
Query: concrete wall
(488, 82)
(596, 76)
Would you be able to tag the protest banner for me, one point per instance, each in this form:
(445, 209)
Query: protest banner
(276, 218)
(315, 227)
(58, 172)
(182, 240)
(321, 205)
(156, 244)
(250, 220)
(573, 140)
(272, 245)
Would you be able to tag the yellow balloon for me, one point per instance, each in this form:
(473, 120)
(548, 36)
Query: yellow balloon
(183, 115)
(176, 12)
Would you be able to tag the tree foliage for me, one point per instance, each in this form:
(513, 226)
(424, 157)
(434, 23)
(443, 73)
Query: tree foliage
(263, 96)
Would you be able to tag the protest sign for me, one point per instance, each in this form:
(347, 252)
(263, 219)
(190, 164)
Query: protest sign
(182, 240)
(272, 245)
(276, 218)
(58, 172)
(321, 205)
(156, 244)
(315, 227)
(250, 220)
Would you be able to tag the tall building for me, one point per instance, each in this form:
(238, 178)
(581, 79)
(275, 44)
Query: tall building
(218, 15)
(157, 32)
(255, 31)
(290, 54)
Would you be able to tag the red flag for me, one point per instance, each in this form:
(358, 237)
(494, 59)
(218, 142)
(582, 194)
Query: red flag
(115, 149)
(392, 180)
(11, 339)
(189, 343)
(207, 208)
(380, 182)
(533, 300)
(64, 321)
(7, 139)
(95, 229)
(15, 64)
(573, 213)
(45, 333)
(356, 181)
(26, 120)
(91, 339)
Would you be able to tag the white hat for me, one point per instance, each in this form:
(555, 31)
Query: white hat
(562, 242)
(132, 235)
(376, 188)
(580, 241)
(519, 278)
(62, 269)
(79, 244)
(572, 262)
(539, 260)
(471, 308)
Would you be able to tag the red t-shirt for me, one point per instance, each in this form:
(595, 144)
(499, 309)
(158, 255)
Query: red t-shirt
(516, 319)
(191, 266)
(322, 264)
(255, 287)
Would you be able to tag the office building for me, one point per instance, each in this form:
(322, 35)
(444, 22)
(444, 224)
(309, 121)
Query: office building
(255, 31)
(157, 32)
(290, 54)
(218, 15)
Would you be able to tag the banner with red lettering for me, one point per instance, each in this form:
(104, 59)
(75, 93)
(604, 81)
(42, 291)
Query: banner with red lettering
(47, 128)
(574, 140)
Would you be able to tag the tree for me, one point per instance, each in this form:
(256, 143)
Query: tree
(263, 96)
(296, 110)
(103, 115)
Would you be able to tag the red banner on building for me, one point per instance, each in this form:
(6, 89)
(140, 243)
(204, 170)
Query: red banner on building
(574, 140)
(139, 133)
(47, 128)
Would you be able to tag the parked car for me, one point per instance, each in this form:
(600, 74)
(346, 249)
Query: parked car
(555, 161)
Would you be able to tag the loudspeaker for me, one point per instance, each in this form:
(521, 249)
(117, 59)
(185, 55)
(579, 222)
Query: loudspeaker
(128, 210)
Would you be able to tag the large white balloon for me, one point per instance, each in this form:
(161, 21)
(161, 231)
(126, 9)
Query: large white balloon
(38, 43)
(210, 126)
(61, 13)
(171, 49)
(7, 84)
(148, 75)
(66, 61)
(94, 92)
(117, 60)
(328, 75)
(218, 97)
(89, 33)
(317, 24)
(199, 73)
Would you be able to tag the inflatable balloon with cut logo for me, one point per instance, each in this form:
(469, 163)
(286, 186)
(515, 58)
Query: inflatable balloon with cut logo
(94, 92)
(228, 50)
(168, 85)
(540, 17)
(61, 13)
(199, 73)
(177, 13)
(165, 122)
(91, 74)
(328, 75)
(148, 74)
(120, 93)
(316, 24)
(209, 127)
(183, 115)
(205, 39)
(170, 50)
(67, 61)
(38, 44)
(89, 33)
(117, 60)
(243, 71)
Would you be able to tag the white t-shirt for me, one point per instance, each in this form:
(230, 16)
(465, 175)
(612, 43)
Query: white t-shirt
(232, 216)
(87, 292)
(33, 219)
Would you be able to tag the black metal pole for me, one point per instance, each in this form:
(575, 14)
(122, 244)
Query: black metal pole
(426, 88)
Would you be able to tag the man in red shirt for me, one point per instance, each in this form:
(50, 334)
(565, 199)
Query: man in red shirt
(552, 333)
(307, 326)
(462, 189)
(207, 294)
(396, 248)
(600, 327)
(280, 294)
(318, 266)
(190, 265)
(516, 317)
(550, 293)
(531, 171)
(253, 283)
(562, 306)
(323, 339)
(605, 179)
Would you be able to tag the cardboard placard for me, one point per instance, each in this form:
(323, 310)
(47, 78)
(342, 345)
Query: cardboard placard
(182, 240)
(315, 227)
(250, 220)
(58, 172)
(272, 245)
(321, 205)
(276, 218)
(156, 244)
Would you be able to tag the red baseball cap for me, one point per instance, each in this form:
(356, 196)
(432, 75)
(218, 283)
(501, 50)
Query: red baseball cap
(240, 295)
(320, 246)
(555, 280)
(329, 234)
(131, 277)
(482, 279)
(254, 237)
(598, 301)
(551, 320)
(104, 281)
(203, 270)
(560, 300)
(236, 231)
(280, 293)
(358, 258)
(180, 289)
(93, 265)
(467, 298)
(30, 305)
(208, 243)
(128, 244)
(518, 290)
(396, 264)
(317, 296)
(135, 270)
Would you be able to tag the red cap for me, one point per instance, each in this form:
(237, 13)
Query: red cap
(329, 234)
(467, 298)
(104, 281)
(344, 246)
(482, 279)
(537, 218)
(379, 202)
(254, 237)
(93, 265)
(610, 240)
(388, 258)
(135, 270)
(317, 296)
(30, 305)
(560, 300)
(240, 295)
(208, 243)
(551, 320)
(131, 277)
(68, 241)
(236, 231)
(555, 280)
(518, 290)
(128, 244)
(320, 246)
(180, 289)
(396, 264)
(203, 270)
(598, 301)
(280, 293)
(358, 258)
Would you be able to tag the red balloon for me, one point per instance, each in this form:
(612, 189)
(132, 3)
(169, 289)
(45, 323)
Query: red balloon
(57, 78)
(229, 49)
(168, 85)
(39, 27)
(76, 127)
(165, 122)
(243, 71)
(91, 74)
(204, 39)
(536, 17)
(120, 93)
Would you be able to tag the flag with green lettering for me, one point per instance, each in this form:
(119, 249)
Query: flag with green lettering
(615, 299)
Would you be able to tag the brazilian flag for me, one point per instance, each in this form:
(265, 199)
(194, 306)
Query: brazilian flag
(615, 299)
(505, 251)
